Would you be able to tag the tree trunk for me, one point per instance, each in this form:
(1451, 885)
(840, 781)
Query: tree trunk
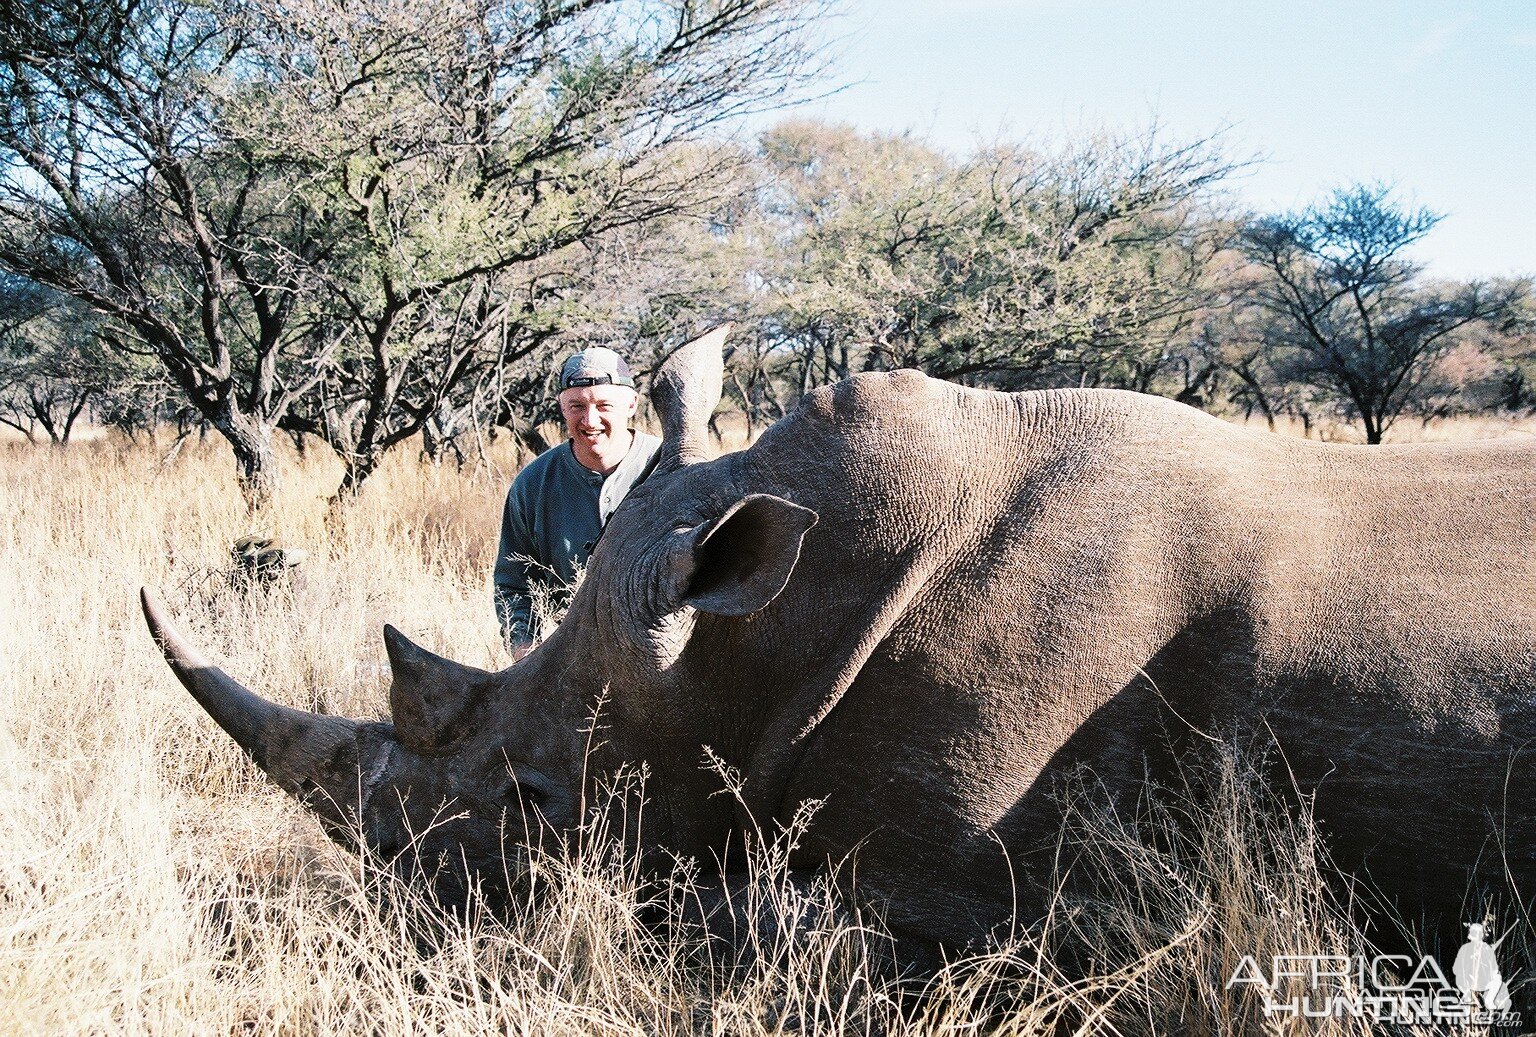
(251, 441)
(1373, 428)
(531, 438)
(1262, 401)
(431, 446)
(357, 469)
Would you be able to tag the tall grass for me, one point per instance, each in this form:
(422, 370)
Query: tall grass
(151, 881)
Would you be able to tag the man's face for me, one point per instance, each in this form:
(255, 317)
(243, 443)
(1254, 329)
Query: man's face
(595, 414)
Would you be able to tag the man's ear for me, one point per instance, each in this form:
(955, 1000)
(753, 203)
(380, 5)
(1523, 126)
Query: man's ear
(736, 564)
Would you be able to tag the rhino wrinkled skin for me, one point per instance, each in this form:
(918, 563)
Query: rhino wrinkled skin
(923, 603)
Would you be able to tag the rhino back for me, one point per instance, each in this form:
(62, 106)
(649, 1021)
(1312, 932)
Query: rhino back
(1075, 577)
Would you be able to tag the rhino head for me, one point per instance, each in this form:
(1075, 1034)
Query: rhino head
(474, 765)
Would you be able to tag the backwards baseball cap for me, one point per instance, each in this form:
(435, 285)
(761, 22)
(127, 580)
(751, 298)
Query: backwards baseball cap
(595, 365)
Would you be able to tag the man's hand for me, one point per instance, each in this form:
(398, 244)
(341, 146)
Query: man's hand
(520, 650)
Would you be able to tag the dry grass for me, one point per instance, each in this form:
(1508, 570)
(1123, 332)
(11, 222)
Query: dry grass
(152, 882)
(1412, 430)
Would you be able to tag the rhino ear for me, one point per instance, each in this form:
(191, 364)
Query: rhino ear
(429, 697)
(685, 392)
(736, 564)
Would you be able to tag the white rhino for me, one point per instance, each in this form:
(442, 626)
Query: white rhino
(923, 603)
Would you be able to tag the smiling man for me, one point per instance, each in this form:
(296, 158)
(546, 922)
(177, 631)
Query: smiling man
(559, 503)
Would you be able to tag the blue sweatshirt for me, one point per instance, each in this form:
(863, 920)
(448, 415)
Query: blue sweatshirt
(554, 513)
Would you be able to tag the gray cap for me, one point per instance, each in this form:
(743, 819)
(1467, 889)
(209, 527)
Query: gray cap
(595, 365)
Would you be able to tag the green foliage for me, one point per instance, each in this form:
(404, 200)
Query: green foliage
(329, 218)
(461, 153)
(57, 363)
(1009, 267)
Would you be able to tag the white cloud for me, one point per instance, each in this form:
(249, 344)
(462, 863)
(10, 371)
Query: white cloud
(1437, 41)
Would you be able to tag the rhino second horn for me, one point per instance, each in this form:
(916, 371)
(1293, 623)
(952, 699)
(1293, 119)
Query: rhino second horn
(297, 749)
(685, 392)
(429, 696)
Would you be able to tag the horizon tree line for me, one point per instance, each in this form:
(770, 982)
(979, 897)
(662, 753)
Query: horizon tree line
(378, 228)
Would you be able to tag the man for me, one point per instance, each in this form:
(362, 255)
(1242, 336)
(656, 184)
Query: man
(559, 503)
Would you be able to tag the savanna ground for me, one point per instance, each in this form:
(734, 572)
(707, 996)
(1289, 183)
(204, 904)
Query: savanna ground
(152, 882)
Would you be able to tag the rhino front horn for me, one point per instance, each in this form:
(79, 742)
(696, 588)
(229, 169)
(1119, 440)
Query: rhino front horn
(312, 756)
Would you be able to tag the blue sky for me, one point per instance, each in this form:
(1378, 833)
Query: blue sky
(1438, 99)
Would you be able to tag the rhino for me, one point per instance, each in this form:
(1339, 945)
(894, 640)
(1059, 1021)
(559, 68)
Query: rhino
(925, 605)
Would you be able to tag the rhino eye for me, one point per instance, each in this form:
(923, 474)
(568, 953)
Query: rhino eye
(507, 784)
(532, 796)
